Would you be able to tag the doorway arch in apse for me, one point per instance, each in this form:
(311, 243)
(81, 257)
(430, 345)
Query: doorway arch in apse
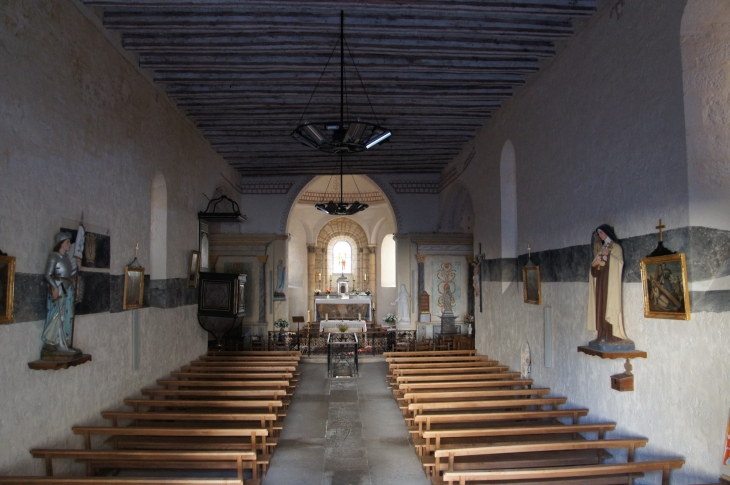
(508, 192)
(158, 228)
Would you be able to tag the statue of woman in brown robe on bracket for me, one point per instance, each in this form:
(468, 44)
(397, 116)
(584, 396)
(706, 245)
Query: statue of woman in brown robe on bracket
(605, 307)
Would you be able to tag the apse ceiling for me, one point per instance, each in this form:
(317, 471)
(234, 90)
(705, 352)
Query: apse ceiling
(433, 70)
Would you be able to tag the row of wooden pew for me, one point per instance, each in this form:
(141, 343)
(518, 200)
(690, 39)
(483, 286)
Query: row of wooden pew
(472, 421)
(224, 411)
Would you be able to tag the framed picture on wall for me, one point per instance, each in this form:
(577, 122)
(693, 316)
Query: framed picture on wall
(133, 288)
(664, 279)
(531, 283)
(194, 269)
(7, 288)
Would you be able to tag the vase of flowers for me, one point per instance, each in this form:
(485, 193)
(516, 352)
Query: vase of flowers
(469, 320)
(390, 319)
(368, 292)
(282, 324)
(317, 291)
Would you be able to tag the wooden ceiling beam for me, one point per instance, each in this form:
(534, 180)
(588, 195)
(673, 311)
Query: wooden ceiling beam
(379, 77)
(354, 7)
(465, 45)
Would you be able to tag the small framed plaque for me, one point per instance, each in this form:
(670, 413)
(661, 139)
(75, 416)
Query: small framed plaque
(133, 288)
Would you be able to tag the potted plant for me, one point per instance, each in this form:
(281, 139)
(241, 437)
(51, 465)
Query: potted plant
(282, 324)
(342, 327)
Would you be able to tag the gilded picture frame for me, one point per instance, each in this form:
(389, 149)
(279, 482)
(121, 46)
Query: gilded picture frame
(531, 285)
(194, 269)
(666, 294)
(133, 288)
(7, 288)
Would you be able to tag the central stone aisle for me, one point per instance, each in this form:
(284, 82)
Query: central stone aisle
(344, 432)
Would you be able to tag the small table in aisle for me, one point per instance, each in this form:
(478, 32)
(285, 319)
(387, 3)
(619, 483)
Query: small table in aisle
(342, 352)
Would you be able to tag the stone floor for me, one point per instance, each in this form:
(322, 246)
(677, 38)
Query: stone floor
(345, 431)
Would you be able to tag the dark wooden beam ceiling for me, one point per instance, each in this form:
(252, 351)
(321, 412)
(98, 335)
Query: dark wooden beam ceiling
(434, 70)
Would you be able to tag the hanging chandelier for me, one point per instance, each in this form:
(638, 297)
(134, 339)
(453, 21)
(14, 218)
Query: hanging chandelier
(342, 208)
(341, 136)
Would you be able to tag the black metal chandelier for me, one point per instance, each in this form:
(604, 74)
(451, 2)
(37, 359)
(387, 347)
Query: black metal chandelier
(341, 208)
(342, 136)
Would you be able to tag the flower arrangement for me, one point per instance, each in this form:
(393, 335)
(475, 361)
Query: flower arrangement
(469, 319)
(368, 292)
(317, 291)
(328, 290)
(390, 318)
(281, 324)
(342, 327)
(357, 290)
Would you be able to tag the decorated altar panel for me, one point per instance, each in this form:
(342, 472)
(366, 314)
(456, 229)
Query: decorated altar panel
(343, 308)
(444, 270)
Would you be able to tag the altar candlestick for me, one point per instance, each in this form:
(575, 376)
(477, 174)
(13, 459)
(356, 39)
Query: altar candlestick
(309, 314)
(358, 317)
(326, 317)
(366, 276)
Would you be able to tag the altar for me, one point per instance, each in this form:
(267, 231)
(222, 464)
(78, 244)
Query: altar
(343, 308)
(352, 325)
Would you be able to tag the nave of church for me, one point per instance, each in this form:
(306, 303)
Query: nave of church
(534, 144)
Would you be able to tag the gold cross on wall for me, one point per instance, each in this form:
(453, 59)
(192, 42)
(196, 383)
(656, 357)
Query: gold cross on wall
(660, 227)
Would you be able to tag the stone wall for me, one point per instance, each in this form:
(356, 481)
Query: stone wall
(599, 137)
(81, 129)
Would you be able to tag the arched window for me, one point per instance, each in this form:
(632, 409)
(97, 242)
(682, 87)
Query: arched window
(387, 262)
(508, 187)
(342, 257)
(158, 228)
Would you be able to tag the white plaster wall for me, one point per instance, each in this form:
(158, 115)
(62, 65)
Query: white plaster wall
(599, 137)
(681, 392)
(706, 62)
(82, 130)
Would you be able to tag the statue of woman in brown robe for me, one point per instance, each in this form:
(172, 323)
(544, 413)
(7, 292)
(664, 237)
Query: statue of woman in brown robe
(605, 307)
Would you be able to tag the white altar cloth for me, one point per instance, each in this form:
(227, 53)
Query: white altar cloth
(352, 325)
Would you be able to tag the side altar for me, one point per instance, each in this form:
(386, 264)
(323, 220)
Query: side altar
(343, 308)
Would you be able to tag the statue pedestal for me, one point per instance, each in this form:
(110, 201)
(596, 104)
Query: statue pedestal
(448, 324)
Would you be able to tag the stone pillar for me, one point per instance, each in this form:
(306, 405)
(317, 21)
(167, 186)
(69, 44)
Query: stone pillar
(470, 296)
(372, 273)
(262, 287)
(312, 275)
(421, 258)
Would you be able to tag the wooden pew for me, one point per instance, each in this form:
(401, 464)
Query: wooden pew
(253, 359)
(264, 420)
(242, 376)
(254, 353)
(217, 393)
(123, 481)
(525, 455)
(401, 389)
(436, 359)
(427, 422)
(168, 438)
(238, 368)
(450, 370)
(446, 396)
(455, 377)
(256, 384)
(456, 438)
(269, 406)
(416, 409)
(206, 460)
(590, 474)
(429, 353)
